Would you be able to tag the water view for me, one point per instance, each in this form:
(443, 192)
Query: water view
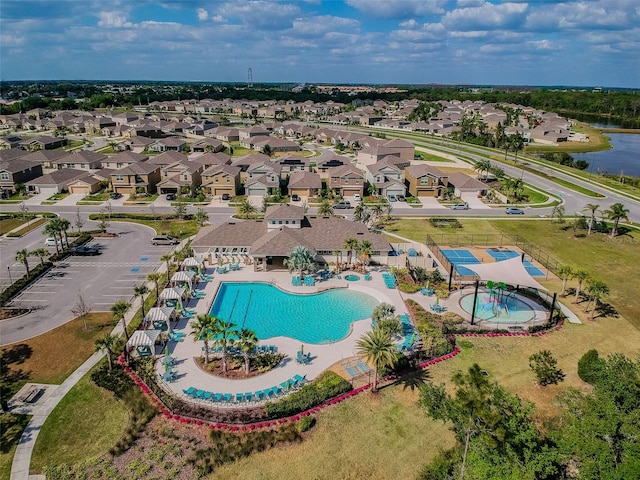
(623, 157)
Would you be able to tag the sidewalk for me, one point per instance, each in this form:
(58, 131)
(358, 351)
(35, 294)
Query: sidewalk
(22, 457)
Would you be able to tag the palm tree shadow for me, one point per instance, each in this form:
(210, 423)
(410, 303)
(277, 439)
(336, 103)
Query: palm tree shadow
(414, 380)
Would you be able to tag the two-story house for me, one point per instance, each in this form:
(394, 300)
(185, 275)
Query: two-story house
(123, 159)
(180, 177)
(386, 177)
(82, 160)
(346, 180)
(290, 164)
(262, 179)
(304, 184)
(221, 179)
(17, 171)
(139, 177)
(425, 181)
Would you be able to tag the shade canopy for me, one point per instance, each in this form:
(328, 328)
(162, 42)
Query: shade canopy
(156, 314)
(143, 337)
(192, 262)
(183, 276)
(511, 271)
(174, 293)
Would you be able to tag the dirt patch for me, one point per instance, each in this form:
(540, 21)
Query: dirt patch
(6, 313)
(235, 368)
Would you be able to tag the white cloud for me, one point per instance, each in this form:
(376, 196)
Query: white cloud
(469, 3)
(398, 8)
(261, 14)
(409, 24)
(113, 20)
(314, 26)
(486, 17)
(202, 14)
(218, 18)
(584, 15)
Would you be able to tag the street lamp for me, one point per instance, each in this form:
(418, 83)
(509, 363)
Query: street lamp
(10, 279)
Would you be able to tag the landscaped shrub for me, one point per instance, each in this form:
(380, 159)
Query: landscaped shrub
(409, 287)
(591, 366)
(22, 283)
(116, 380)
(328, 385)
(546, 368)
(306, 423)
(266, 361)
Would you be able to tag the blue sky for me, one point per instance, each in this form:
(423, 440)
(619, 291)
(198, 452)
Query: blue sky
(538, 42)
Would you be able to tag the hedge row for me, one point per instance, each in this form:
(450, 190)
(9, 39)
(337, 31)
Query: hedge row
(328, 385)
(22, 283)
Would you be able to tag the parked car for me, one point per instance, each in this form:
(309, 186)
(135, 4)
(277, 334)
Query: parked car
(401, 198)
(357, 197)
(514, 211)
(460, 206)
(51, 242)
(295, 198)
(226, 196)
(164, 240)
(85, 250)
(170, 197)
(342, 204)
(392, 198)
(115, 195)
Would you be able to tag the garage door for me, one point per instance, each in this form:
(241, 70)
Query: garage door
(395, 191)
(427, 193)
(84, 189)
(220, 191)
(256, 192)
(303, 192)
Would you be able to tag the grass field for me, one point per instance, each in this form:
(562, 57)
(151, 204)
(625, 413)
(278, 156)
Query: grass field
(85, 425)
(9, 444)
(369, 437)
(46, 358)
(8, 224)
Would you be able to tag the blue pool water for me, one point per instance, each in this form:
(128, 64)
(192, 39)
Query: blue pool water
(270, 312)
(516, 312)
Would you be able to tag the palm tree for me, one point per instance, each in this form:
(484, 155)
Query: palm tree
(300, 259)
(106, 343)
(581, 275)
(325, 208)
(591, 207)
(516, 143)
(616, 213)
(388, 208)
(361, 213)
(350, 244)
(597, 289)
(201, 217)
(246, 208)
(376, 212)
(223, 331)
(141, 291)
(377, 348)
(41, 253)
(51, 230)
(167, 259)
(203, 329)
(366, 251)
(155, 277)
(247, 341)
(338, 254)
(119, 310)
(482, 166)
(64, 225)
(565, 272)
(23, 256)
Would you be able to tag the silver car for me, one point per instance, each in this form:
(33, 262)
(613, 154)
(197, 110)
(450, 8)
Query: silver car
(164, 240)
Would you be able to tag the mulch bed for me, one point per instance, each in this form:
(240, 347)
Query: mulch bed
(6, 313)
(234, 371)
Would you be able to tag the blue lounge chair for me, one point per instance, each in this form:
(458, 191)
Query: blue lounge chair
(226, 398)
(365, 368)
(260, 395)
(207, 395)
(239, 397)
(286, 385)
(351, 370)
(367, 277)
(299, 379)
(217, 397)
(199, 394)
(273, 349)
(248, 396)
(189, 391)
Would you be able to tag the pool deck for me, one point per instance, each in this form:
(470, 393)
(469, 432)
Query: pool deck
(323, 355)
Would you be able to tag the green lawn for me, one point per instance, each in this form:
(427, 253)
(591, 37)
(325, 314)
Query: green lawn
(175, 228)
(8, 224)
(85, 425)
(11, 430)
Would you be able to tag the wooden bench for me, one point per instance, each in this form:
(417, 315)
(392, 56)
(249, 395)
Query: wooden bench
(515, 328)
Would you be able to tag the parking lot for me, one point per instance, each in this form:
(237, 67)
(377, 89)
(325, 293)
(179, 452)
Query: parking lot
(124, 262)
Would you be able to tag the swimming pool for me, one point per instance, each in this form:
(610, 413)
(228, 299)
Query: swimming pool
(516, 312)
(270, 312)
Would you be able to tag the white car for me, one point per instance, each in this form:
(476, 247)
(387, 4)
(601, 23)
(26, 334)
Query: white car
(357, 197)
(51, 242)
